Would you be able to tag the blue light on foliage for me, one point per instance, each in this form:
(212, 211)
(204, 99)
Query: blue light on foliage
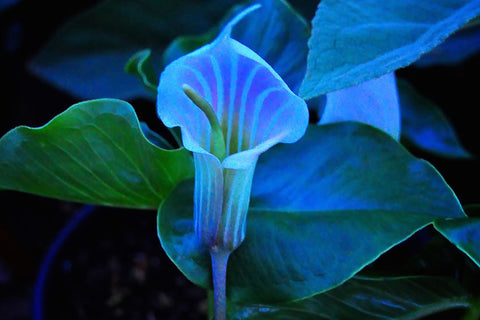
(374, 102)
(255, 110)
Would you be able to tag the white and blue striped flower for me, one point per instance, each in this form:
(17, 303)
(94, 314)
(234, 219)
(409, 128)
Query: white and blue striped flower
(231, 106)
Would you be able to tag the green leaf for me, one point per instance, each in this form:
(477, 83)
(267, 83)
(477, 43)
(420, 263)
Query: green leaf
(94, 152)
(354, 41)
(425, 126)
(276, 32)
(464, 233)
(349, 194)
(140, 65)
(154, 137)
(87, 55)
(366, 299)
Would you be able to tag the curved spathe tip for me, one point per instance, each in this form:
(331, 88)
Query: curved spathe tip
(227, 30)
(253, 105)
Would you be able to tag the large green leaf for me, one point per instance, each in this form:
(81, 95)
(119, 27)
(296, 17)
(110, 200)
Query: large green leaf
(425, 126)
(366, 299)
(464, 233)
(87, 55)
(94, 152)
(354, 41)
(349, 193)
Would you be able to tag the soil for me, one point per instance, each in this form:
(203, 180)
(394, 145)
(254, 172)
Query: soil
(111, 266)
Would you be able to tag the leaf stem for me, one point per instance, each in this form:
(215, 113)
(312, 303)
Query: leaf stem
(219, 273)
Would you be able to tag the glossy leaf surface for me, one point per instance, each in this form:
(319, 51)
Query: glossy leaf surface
(354, 41)
(321, 209)
(374, 102)
(425, 126)
(366, 299)
(464, 233)
(94, 152)
(87, 55)
(276, 32)
(353, 163)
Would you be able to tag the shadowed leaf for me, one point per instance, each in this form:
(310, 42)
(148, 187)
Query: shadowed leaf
(86, 56)
(367, 299)
(425, 126)
(464, 233)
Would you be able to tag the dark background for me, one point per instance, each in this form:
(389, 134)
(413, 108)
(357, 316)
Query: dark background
(113, 266)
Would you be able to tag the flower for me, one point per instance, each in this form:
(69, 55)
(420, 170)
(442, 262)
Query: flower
(231, 106)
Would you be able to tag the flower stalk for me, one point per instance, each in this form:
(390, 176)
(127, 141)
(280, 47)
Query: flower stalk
(219, 274)
(231, 106)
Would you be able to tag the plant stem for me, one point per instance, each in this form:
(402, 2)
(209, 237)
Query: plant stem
(219, 273)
